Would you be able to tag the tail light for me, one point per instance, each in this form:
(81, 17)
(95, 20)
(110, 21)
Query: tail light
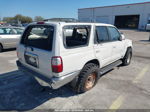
(57, 64)
(41, 22)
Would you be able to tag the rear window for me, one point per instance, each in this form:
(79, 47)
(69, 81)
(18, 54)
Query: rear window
(39, 36)
(76, 36)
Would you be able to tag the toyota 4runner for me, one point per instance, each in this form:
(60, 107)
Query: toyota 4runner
(58, 53)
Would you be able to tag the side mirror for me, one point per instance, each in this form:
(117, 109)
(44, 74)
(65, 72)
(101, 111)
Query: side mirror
(122, 37)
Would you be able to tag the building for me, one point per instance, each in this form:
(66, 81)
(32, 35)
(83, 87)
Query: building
(135, 16)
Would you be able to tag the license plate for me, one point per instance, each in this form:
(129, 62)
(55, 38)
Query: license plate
(31, 59)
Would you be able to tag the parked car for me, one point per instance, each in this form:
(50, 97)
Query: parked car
(58, 53)
(9, 37)
(148, 27)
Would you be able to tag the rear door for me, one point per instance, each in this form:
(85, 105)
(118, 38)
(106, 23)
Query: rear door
(102, 46)
(35, 50)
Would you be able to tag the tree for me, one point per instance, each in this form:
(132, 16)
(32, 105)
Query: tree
(23, 19)
(28, 19)
(18, 19)
(38, 18)
(8, 19)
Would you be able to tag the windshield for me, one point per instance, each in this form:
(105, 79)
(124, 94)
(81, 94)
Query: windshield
(39, 36)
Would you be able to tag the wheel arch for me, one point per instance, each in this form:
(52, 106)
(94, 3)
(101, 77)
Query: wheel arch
(129, 47)
(95, 61)
(125, 51)
(1, 44)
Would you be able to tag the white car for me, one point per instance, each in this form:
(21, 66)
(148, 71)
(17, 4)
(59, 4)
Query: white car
(58, 53)
(148, 27)
(9, 37)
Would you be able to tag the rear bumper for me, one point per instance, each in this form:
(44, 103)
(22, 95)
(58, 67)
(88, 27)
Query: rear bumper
(54, 82)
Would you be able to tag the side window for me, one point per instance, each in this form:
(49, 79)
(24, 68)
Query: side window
(75, 36)
(6, 31)
(18, 31)
(2, 31)
(114, 33)
(10, 31)
(102, 34)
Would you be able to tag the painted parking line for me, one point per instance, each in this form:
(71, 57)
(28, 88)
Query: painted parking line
(7, 55)
(13, 61)
(141, 74)
(119, 101)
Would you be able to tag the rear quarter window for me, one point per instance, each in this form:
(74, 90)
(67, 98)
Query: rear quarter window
(76, 36)
(38, 36)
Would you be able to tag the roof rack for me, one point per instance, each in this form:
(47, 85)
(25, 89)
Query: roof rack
(62, 20)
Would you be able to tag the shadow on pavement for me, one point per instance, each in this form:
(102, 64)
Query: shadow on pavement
(21, 92)
(145, 41)
(7, 50)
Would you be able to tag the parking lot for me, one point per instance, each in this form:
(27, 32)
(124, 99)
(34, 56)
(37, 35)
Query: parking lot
(122, 88)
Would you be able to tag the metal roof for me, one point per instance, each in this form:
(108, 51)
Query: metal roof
(114, 5)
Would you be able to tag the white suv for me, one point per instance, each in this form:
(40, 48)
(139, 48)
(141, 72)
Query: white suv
(58, 53)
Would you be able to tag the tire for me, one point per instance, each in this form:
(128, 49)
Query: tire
(127, 58)
(87, 78)
(1, 48)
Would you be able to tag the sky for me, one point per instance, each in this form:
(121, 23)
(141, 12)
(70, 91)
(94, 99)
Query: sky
(54, 8)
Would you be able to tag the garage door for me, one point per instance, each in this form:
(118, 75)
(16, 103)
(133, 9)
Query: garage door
(127, 21)
(102, 19)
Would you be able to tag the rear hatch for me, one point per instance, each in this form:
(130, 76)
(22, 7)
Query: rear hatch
(35, 48)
